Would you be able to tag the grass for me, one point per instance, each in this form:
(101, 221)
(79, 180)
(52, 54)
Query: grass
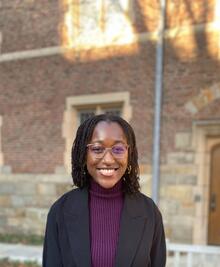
(7, 263)
(23, 239)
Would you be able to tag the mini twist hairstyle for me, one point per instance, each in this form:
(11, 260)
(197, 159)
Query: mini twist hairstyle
(79, 150)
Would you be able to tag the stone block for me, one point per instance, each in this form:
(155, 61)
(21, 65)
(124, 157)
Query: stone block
(25, 188)
(5, 201)
(180, 157)
(187, 209)
(63, 188)
(190, 107)
(169, 206)
(46, 189)
(186, 179)
(23, 201)
(7, 188)
(183, 169)
(178, 192)
(45, 201)
(60, 170)
(172, 179)
(36, 214)
(5, 169)
(183, 140)
(15, 222)
(168, 179)
(182, 228)
(17, 201)
(216, 90)
(3, 221)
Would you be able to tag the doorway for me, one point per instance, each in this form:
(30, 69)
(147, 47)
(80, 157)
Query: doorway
(214, 198)
(206, 141)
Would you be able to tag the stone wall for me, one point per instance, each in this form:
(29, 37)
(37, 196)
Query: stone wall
(25, 200)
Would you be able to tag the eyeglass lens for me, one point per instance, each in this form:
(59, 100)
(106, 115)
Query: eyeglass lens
(99, 150)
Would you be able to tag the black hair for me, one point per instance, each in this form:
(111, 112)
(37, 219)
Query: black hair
(79, 150)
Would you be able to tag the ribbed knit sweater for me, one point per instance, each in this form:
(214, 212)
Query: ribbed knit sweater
(105, 206)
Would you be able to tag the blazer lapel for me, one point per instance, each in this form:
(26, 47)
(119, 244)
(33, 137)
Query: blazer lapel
(132, 226)
(76, 217)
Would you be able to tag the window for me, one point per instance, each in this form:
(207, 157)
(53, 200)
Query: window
(106, 22)
(86, 113)
(79, 108)
(113, 111)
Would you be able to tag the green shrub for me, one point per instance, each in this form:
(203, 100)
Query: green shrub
(23, 239)
(8, 263)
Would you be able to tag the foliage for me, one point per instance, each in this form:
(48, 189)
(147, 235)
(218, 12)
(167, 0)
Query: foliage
(23, 239)
(8, 263)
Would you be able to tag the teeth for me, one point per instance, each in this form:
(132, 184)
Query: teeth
(107, 172)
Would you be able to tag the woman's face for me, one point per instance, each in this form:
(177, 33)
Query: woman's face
(107, 167)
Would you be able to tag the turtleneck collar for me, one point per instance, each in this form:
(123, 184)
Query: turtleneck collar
(99, 191)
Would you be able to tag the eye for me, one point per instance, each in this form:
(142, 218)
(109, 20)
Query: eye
(118, 149)
(97, 149)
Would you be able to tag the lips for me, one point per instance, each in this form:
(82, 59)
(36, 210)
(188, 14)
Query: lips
(107, 171)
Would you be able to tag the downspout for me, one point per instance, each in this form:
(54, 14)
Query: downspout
(158, 103)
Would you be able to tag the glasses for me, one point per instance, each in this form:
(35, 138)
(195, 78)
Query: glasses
(118, 150)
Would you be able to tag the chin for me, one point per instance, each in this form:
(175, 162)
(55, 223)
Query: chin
(107, 184)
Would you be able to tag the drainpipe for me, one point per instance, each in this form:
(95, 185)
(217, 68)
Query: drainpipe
(158, 104)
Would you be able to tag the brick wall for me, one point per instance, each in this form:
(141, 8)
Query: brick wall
(33, 103)
(33, 95)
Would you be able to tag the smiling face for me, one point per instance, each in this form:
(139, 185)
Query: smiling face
(107, 170)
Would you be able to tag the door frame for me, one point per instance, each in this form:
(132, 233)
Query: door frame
(206, 135)
(211, 188)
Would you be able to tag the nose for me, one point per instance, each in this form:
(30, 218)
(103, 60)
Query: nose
(108, 157)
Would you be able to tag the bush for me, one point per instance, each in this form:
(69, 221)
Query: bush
(23, 239)
(8, 263)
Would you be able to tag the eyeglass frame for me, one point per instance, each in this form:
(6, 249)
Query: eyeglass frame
(108, 149)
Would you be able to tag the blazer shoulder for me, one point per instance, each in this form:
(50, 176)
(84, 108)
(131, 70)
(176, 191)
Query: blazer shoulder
(143, 199)
(148, 205)
(60, 202)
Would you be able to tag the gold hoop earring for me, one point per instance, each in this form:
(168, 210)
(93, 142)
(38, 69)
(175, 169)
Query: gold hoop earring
(129, 169)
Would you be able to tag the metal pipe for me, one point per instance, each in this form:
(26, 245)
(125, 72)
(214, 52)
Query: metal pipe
(158, 104)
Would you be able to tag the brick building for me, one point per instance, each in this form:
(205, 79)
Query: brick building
(61, 61)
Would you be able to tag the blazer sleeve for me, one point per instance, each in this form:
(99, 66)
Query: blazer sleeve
(158, 249)
(51, 248)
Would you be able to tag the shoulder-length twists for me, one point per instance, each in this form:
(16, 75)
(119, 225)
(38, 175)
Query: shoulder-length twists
(79, 150)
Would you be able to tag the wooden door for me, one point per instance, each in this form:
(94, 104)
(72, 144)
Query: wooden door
(214, 200)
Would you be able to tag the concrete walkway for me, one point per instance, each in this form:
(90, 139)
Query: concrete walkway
(19, 252)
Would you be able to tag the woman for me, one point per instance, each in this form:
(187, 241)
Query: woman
(106, 221)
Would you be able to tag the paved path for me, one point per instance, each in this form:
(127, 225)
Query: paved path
(21, 252)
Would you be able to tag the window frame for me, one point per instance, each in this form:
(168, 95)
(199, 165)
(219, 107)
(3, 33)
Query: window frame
(96, 101)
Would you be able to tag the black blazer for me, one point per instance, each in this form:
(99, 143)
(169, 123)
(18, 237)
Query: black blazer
(67, 240)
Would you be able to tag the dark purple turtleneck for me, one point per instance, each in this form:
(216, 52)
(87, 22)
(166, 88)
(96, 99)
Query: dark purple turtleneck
(105, 206)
